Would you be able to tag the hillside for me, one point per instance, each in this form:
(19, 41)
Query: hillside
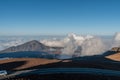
(24, 63)
(116, 55)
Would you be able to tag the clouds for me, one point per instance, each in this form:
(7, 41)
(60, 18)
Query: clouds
(53, 43)
(9, 41)
(90, 45)
(116, 40)
(86, 45)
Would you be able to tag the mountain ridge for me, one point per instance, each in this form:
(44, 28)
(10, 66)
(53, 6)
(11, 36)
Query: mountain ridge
(33, 45)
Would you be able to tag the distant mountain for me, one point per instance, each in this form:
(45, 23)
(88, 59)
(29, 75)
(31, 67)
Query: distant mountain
(28, 46)
(116, 49)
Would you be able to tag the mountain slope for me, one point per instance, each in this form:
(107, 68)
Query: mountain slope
(28, 46)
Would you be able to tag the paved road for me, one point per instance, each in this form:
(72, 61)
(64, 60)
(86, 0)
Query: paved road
(66, 70)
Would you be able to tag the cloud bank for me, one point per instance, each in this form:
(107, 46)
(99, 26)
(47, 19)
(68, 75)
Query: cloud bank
(87, 45)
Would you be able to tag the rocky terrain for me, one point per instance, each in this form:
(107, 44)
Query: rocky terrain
(116, 56)
(116, 49)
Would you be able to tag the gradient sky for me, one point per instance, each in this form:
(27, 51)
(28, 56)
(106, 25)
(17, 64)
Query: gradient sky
(58, 17)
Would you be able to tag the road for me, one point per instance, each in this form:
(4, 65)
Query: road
(65, 70)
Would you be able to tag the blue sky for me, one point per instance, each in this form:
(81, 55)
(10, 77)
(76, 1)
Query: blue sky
(58, 17)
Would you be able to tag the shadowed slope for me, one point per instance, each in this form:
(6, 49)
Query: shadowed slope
(11, 65)
(24, 63)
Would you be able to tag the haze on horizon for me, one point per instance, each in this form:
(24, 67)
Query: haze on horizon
(58, 17)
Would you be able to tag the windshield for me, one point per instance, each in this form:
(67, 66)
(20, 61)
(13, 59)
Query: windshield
(59, 39)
